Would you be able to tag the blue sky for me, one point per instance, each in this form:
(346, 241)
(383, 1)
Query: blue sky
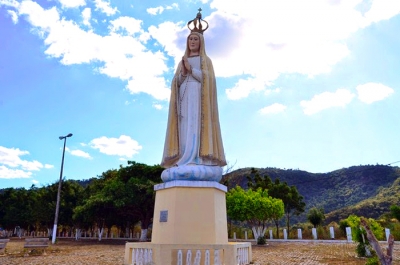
(302, 84)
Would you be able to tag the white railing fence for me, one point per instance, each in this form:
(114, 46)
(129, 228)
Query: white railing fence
(214, 256)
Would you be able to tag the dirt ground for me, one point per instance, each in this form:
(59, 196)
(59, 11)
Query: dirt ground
(111, 252)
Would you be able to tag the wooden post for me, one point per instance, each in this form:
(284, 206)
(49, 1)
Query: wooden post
(384, 259)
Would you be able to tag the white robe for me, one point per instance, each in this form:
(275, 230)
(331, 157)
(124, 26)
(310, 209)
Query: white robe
(193, 148)
(188, 107)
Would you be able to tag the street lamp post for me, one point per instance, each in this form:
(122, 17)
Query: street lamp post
(53, 239)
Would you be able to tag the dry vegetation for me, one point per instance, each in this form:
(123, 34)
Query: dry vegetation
(111, 252)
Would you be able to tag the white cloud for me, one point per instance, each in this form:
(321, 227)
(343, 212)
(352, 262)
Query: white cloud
(105, 7)
(160, 9)
(284, 36)
(72, 3)
(41, 19)
(12, 166)
(254, 44)
(270, 91)
(154, 86)
(291, 41)
(11, 157)
(327, 100)
(48, 166)
(31, 165)
(128, 24)
(124, 57)
(243, 88)
(86, 15)
(169, 34)
(80, 153)
(174, 5)
(13, 15)
(155, 10)
(383, 9)
(9, 3)
(35, 182)
(157, 106)
(371, 92)
(7, 173)
(122, 146)
(273, 109)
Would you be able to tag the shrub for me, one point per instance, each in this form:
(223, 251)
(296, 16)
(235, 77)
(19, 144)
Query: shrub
(261, 240)
(372, 261)
(395, 231)
(323, 232)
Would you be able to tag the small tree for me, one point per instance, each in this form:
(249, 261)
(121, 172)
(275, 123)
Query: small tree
(384, 259)
(292, 200)
(395, 211)
(316, 216)
(255, 207)
(359, 234)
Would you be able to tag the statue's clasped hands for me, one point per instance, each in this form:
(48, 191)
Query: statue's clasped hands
(187, 67)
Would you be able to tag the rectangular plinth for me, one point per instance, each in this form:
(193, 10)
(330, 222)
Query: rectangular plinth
(190, 214)
(169, 254)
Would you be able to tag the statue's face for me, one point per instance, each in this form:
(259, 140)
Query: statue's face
(194, 43)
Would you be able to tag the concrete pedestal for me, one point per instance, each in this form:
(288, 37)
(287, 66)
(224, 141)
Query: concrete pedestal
(189, 221)
(190, 212)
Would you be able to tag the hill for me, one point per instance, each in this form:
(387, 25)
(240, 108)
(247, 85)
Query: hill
(371, 207)
(365, 187)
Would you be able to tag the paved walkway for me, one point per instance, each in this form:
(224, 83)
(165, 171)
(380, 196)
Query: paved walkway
(111, 252)
(311, 252)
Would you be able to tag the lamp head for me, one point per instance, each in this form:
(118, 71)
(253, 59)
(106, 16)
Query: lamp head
(63, 137)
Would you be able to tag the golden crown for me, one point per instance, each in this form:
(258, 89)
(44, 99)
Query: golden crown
(197, 24)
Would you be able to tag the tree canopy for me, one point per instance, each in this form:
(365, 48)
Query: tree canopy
(119, 197)
(316, 216)
(395, 211)
(255, 207)
(124, 194)
(291, 198)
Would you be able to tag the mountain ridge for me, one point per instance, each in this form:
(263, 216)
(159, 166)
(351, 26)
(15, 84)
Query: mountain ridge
(340, 189)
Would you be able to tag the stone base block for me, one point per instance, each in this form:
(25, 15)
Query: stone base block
(190, 212)
(174, 254)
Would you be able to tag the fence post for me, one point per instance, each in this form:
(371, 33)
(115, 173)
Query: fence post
(314, 233)
(387, 233)
(299, 234)
(348, 234)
